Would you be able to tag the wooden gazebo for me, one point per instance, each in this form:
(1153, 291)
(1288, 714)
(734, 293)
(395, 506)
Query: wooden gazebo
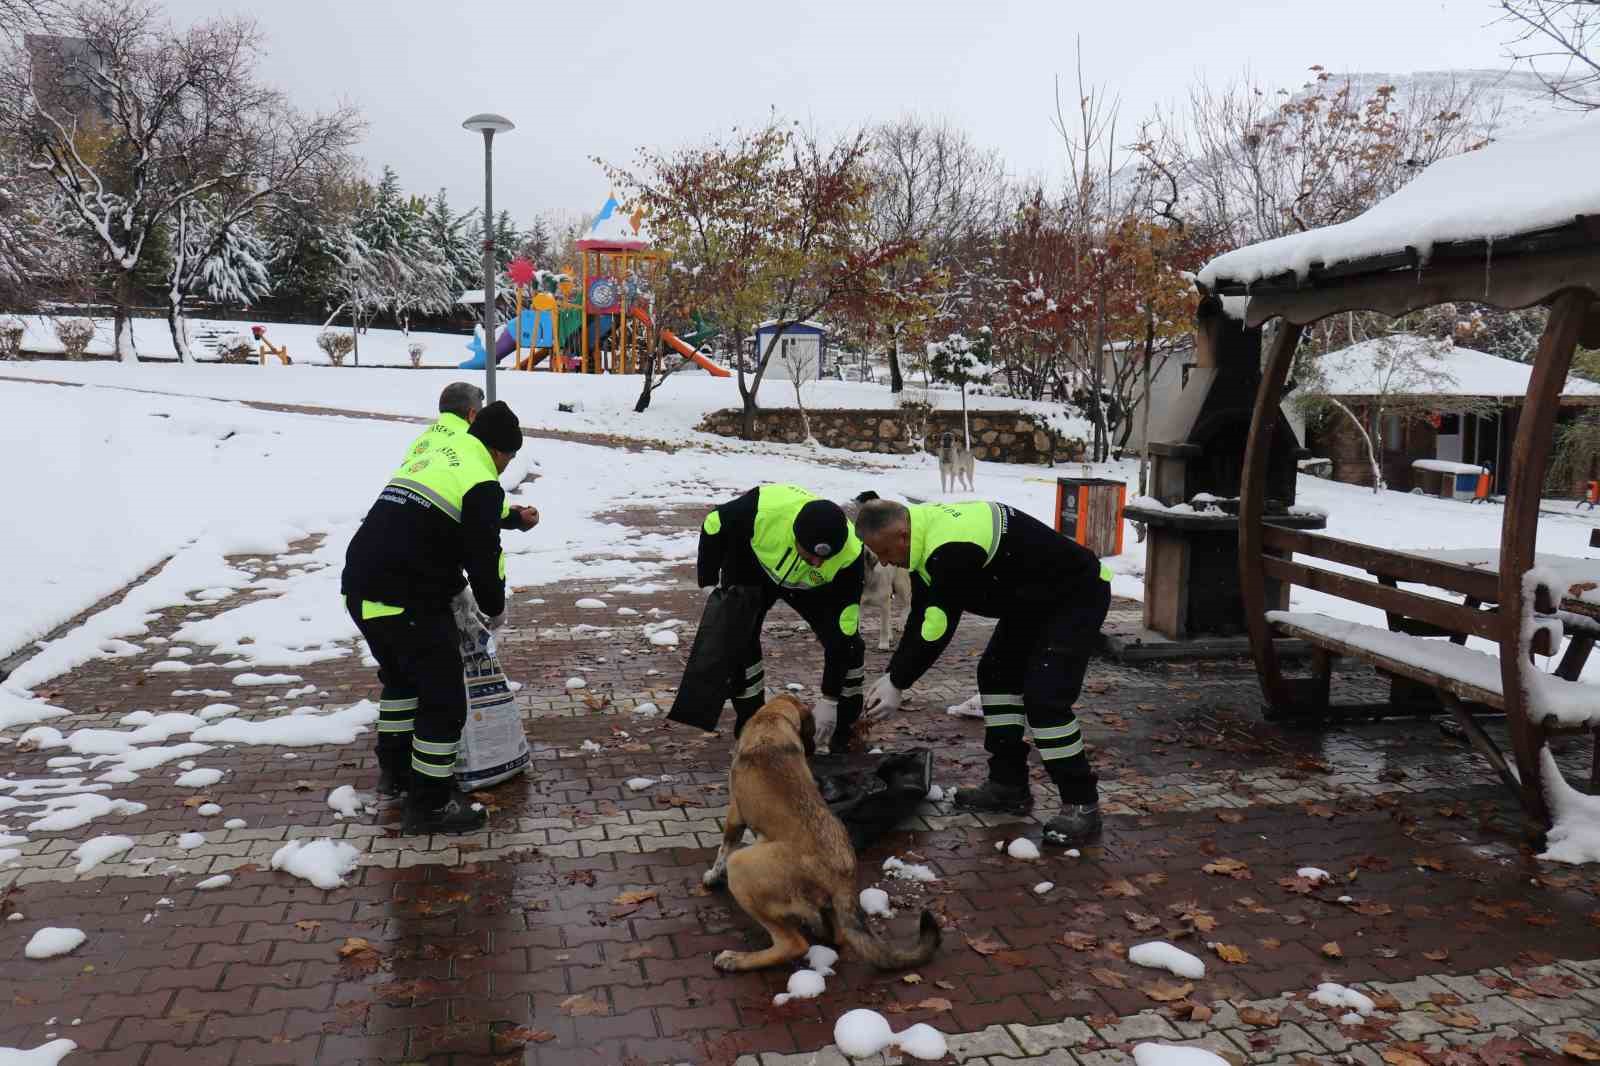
(1513, 225)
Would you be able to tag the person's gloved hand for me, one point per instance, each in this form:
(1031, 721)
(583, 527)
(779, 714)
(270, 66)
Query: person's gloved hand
(882, 698)
(826, 715)
(493, 623)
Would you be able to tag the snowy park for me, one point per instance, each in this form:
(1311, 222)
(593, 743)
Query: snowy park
(762, 574)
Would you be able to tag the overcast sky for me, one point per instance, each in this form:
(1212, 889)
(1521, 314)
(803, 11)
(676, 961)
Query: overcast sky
(600, 80)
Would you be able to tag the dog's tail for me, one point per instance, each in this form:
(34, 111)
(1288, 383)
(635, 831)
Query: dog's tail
(851, 925)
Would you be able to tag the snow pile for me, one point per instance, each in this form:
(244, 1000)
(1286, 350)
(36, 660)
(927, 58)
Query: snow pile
(203, 778)
(323, 862)
(1160, 955)
(258, 680)
(62, 813)
(235, 823)
(1042, 887)
(590, 746)
(646, 710)
(639, 784)
(972, 708)
(218, 881)
(576, 683)
(49, 1054)
(1023, 848)
(51, 941)
(803, 984)
(294, 730)
(664, 638)
(1574, 834)
(876, 901)
(206, 810)
(589, 603)
(1331, 995)
(346, 800)
(1313, 873)
(898, 868)
(863, 1032)
(1173, 1055)
(821, 958)
(1517, 184)
(92, 853)
(190, 841)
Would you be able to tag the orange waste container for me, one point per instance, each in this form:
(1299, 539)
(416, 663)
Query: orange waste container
(1089, 510)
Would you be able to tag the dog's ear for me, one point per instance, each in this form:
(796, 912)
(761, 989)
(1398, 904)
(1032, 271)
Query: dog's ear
(808, 728)
(866, 496)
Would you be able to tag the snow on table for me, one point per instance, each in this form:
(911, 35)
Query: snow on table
(1518, 184)
(1445, 466)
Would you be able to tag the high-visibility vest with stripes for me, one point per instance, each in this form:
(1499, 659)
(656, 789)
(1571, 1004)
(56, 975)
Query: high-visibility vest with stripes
(446, 472)
(774, 544)
(444, 430)
(933, 525)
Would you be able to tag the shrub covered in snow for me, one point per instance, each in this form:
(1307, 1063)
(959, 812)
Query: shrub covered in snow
(236, 348)
(415, 350)
(75, 335)
(11, 330)
(337, 344)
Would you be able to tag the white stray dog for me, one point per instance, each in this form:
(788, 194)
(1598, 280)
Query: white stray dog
(956, 465)
(885, 587)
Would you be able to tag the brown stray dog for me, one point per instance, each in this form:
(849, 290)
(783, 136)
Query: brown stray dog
(800, 875)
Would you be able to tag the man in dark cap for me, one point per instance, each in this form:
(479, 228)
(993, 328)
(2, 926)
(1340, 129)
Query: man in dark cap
(802, 550)
(439, 516)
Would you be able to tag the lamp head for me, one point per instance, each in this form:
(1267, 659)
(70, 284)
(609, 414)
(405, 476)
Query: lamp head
(488, 123)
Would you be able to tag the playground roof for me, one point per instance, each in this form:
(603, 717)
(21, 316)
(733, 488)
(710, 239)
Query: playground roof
(615, 230)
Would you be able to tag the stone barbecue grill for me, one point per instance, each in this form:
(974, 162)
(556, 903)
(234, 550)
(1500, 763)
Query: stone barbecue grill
(1197, 461)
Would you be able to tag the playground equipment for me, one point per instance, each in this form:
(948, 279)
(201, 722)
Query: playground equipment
(612, 322)
(265, 347)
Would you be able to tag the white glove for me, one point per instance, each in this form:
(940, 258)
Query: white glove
(883, 698)
(826, 715)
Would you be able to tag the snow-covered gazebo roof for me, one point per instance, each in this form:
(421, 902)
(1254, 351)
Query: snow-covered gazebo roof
(1442, 369)
(615, 229)
(1534, 192)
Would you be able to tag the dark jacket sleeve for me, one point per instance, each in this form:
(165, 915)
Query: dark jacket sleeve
(723, 528)
(480, 532)
(935, 610)
(842, 593)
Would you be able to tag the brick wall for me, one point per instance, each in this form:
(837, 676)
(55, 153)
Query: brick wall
(997, 436)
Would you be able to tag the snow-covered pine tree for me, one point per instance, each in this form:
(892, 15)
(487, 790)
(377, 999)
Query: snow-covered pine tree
(455, 241)
(507, 240)
(214, 253)
(388, 223)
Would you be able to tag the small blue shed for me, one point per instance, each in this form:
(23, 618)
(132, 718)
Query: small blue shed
(802, 350)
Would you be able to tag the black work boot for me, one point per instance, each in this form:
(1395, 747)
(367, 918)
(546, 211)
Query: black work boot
(1078, 823)
(446, 810)
(995, 797)
(394, 774)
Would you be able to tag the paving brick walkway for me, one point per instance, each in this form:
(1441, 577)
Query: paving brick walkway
(574, 929)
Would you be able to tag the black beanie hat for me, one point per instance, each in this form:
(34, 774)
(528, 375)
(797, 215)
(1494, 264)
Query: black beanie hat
(821, 529)
(498, 428)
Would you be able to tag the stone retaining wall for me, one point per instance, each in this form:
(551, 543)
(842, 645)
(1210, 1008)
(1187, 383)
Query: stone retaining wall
(997, 436)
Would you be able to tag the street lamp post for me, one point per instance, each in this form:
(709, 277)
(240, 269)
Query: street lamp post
(488, 125)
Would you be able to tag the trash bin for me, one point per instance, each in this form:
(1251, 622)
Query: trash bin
(1089, 510)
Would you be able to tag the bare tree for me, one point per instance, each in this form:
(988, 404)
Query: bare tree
(1557, 39)
(20, 17)
(934, 188)
(138, 119)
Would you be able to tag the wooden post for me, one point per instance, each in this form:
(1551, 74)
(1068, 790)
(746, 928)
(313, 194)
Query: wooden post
(1252, 501)
(1519, 533)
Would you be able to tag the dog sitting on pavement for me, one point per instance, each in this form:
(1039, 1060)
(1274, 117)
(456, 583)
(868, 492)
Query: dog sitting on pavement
(799, 878)
(956, 465)
(885, 587)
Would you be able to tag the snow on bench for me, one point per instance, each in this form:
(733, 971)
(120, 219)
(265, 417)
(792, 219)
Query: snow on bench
(1445, 466)
(1472, 675)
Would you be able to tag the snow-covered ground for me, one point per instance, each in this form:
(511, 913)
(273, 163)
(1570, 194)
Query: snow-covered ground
(601, 403)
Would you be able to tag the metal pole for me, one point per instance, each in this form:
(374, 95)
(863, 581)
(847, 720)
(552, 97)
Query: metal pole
(488, 265)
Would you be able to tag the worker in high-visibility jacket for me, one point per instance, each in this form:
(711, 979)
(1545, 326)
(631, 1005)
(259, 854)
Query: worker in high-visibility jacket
(459, 404)
(1050, 596)
(440, 515)
(800, 549)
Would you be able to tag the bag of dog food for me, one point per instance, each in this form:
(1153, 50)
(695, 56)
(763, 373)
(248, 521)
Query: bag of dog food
(723, 635)
(872, 794)
(494, 747)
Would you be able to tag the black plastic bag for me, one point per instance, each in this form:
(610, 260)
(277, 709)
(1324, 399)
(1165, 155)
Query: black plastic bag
(871, 794)
(723, 636)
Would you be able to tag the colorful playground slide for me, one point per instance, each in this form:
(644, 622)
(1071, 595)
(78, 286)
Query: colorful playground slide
(682, 348)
